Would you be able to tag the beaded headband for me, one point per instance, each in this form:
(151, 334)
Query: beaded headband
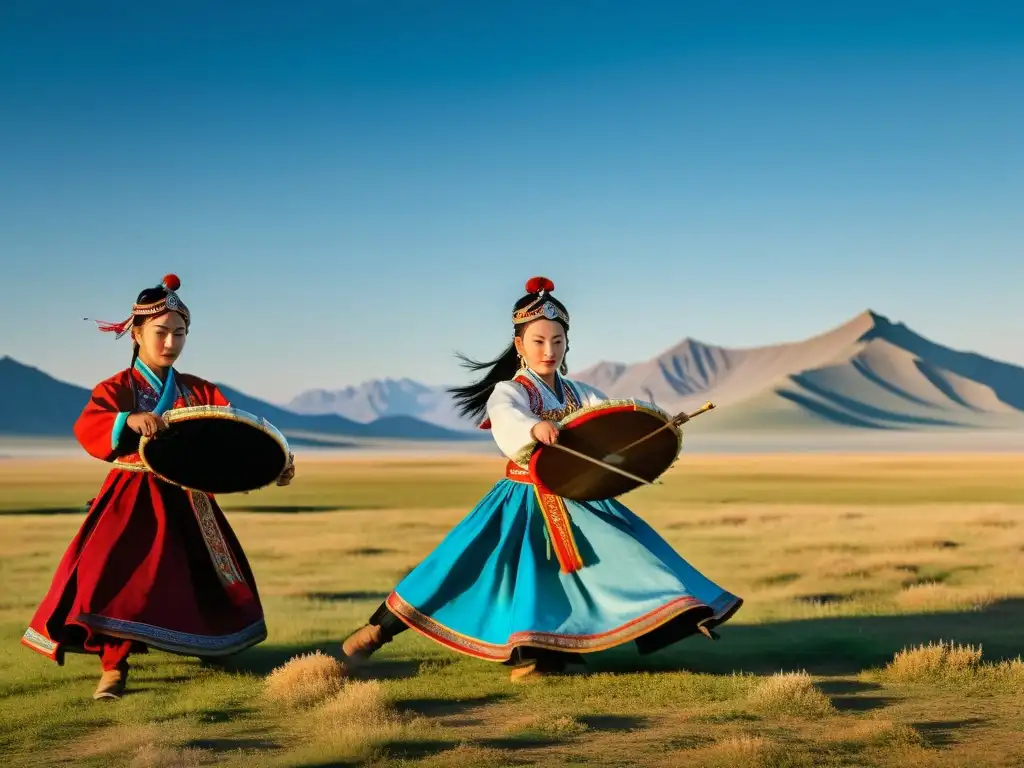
(539, 307)
(170, 302)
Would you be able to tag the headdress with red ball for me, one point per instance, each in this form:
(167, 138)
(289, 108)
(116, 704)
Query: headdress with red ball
(539, 288)
(163, 298)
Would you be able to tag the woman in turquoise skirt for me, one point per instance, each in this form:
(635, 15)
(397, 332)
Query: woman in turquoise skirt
(509, 583)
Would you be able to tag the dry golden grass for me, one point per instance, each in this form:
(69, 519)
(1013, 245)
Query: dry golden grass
(842, 562)
(743, 751)
(306, 679)
(790, 693)
(359, 717)
(955, 664)
(152, 756)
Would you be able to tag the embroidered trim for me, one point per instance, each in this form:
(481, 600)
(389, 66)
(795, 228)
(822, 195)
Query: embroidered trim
(38, 641)
(532, 392)
(559, 524)
(127, 465)
(177, 642)
(537, 309)
(556, 519)
(480, 649)
(227, 570)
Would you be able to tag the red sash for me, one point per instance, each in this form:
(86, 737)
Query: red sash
(552, 507)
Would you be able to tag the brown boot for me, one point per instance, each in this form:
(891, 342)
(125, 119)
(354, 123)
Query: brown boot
(362, 644)
(112, 684)
(524, 671)
(547, 665)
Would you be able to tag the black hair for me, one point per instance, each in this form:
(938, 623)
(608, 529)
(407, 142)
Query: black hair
(471, 400)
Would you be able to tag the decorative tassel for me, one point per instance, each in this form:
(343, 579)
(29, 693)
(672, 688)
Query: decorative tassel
(119, 328)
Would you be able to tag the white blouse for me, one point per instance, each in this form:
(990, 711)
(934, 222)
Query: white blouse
(508, 410)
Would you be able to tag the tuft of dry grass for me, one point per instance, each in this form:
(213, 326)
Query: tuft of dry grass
(560, 726)
(359, 719)
(875, 732)
(156, 756)
(741, 751)
(305, 680)
(790, 693)
(950, 663)
(469, 756)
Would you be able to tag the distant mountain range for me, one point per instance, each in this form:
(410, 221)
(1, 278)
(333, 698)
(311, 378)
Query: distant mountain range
(868, 373)
(34, 404)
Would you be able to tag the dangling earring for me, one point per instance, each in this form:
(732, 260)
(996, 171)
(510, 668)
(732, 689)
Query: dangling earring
(522, 363)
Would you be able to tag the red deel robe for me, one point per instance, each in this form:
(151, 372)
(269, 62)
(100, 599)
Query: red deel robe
(152, 563)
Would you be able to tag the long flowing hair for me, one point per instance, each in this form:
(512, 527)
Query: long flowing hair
(471, 399)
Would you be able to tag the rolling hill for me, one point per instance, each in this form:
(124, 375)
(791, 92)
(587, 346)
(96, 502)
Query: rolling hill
(868, 373)
(34, 404)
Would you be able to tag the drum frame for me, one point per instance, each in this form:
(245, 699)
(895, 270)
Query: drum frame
(226, 412)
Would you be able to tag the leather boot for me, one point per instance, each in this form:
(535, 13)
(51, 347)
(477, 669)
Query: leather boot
(362, 644)
(531, 669)
(112, 684)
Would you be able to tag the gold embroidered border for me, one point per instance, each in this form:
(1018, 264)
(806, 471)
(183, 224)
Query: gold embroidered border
(536, 398)
(471, 646)
(214, 539)
(130, 466)
(37, 641)
(559, 525)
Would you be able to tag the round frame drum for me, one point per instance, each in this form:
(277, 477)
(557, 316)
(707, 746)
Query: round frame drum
(216, 449)
(612, 433)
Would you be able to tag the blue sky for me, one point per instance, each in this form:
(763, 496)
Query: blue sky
(351, 190)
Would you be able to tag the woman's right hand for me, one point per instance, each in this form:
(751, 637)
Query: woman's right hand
(146, 424)
(544, 432)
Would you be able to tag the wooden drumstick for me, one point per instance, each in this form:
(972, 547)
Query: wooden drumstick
(677, 420)
(600, 463)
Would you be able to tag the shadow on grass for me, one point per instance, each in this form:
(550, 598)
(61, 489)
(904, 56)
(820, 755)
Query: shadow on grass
(828, 646)
(416, 749)
(395, 750)
(613, 722)
(448, 707)
(263, 659)
(229, 745)
(944, 733)
(845, 695)
(526, 741)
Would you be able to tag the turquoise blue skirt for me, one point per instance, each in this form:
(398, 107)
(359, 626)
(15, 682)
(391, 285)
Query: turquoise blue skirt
(493, 585)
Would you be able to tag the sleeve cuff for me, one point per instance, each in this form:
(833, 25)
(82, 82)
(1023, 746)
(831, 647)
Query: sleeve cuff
(119, 423)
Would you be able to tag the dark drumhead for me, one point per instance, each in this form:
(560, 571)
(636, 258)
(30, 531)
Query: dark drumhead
(216, 455)
(601, 436)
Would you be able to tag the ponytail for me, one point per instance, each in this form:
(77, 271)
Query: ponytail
(471, 400)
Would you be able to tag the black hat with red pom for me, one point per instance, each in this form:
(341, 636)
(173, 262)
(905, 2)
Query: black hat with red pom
(538, 303)
(151, 302)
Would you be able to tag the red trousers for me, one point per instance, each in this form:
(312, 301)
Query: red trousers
(115, 653)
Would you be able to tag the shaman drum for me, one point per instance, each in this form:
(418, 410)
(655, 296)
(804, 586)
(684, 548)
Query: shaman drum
(638, 439)
(216, 449)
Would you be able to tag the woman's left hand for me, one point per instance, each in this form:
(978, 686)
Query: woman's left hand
(289, 472)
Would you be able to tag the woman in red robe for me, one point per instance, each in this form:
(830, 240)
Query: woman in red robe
(153, 564)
